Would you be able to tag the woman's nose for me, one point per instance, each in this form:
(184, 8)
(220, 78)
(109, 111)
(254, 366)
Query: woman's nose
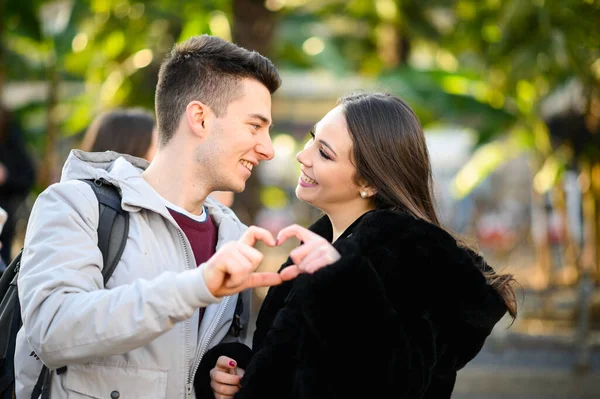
(301, 157)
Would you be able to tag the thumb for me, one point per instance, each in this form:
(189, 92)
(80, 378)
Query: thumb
(226, 364)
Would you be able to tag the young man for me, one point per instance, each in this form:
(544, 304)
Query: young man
(145, 335)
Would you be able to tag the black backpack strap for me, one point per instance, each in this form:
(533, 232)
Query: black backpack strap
(113, 230)
(113, 226)
(40, 383)
(9, 359)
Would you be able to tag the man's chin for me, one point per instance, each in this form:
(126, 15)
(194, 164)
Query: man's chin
(238, 188)
(233, 186)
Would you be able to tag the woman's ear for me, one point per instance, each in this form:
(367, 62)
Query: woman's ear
(365, 187)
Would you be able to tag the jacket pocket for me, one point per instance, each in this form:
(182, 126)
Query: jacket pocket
(112, 382)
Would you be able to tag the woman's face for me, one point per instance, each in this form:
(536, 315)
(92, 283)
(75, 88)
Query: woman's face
(327, 180)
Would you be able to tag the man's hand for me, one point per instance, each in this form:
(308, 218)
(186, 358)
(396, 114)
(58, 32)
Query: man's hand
(225, 378)
(314, 253)
(233, 268)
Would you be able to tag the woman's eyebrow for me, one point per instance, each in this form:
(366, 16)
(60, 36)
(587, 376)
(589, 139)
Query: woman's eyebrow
(326, 144)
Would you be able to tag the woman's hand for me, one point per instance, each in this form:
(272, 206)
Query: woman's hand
(314, 253)
(225, 378)
(232, 268)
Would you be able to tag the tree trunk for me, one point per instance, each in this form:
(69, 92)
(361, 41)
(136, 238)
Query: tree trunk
(253, 28)
(588, 262)
(2, 27)
(543, 275)
(253, 25)
(593, 126)
(595, 194)
(49, 170)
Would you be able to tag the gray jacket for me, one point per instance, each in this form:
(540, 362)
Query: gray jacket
(139, 336)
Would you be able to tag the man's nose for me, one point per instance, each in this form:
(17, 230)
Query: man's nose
(265, 148)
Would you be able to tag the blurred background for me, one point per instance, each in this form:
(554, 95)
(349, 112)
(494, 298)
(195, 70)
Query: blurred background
(508, 92)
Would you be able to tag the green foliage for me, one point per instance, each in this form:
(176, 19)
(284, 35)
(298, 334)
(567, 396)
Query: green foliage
(486, 65)
(109, 49)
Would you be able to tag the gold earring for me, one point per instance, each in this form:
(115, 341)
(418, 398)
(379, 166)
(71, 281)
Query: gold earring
(364, 194)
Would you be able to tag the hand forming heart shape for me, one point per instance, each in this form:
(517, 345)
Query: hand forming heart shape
(233, 267)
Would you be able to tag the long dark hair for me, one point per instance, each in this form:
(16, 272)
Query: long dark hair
(387, 136)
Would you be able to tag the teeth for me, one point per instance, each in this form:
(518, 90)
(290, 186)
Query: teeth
(247, 164)
(307, 179)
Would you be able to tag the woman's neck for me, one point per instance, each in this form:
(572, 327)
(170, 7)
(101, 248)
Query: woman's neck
(342, 219)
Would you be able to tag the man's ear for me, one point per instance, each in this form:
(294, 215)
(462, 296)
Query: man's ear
(196, 115)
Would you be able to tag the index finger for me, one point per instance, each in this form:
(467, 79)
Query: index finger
(255, 233)
(302, 233)
(264, 279)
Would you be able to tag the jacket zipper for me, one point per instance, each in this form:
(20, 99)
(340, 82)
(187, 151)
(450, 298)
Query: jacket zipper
(188, 386)
(211, 333)
(196, 360)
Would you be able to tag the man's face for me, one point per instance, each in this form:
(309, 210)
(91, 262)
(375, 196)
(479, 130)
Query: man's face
(239, 139)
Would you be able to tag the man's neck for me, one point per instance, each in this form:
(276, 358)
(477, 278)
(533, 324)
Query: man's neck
(172, 175)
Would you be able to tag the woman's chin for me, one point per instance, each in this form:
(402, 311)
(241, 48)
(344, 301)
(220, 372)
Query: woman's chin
(302, 195)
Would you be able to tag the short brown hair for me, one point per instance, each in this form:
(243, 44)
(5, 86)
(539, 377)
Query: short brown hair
(207, 69)
(126, 131)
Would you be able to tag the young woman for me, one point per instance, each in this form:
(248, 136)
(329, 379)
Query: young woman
(402, 304)
(124, 130)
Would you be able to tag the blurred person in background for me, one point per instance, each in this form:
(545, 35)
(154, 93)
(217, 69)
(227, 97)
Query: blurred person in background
(397, 303)
(17, 177)
(126, 131)
(131, 131)
(3, 217)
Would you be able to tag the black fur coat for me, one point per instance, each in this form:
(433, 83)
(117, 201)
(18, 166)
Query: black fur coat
(402, 311)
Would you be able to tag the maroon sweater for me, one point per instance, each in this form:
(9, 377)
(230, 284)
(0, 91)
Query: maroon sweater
(201, 235)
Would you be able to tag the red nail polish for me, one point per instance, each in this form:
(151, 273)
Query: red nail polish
(232, 363)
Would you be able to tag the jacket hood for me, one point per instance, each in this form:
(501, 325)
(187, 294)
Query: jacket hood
(125, 172)
(423, 266)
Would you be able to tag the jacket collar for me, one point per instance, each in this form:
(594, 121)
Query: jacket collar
(324, 228)
(125, 172)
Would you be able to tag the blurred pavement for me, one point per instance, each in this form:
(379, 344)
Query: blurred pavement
(514, 365)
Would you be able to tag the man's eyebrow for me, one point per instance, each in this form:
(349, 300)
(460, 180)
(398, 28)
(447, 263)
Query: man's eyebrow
(263, 119)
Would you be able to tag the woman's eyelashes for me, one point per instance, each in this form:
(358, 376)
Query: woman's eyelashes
(321, 152)
(324, 154)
